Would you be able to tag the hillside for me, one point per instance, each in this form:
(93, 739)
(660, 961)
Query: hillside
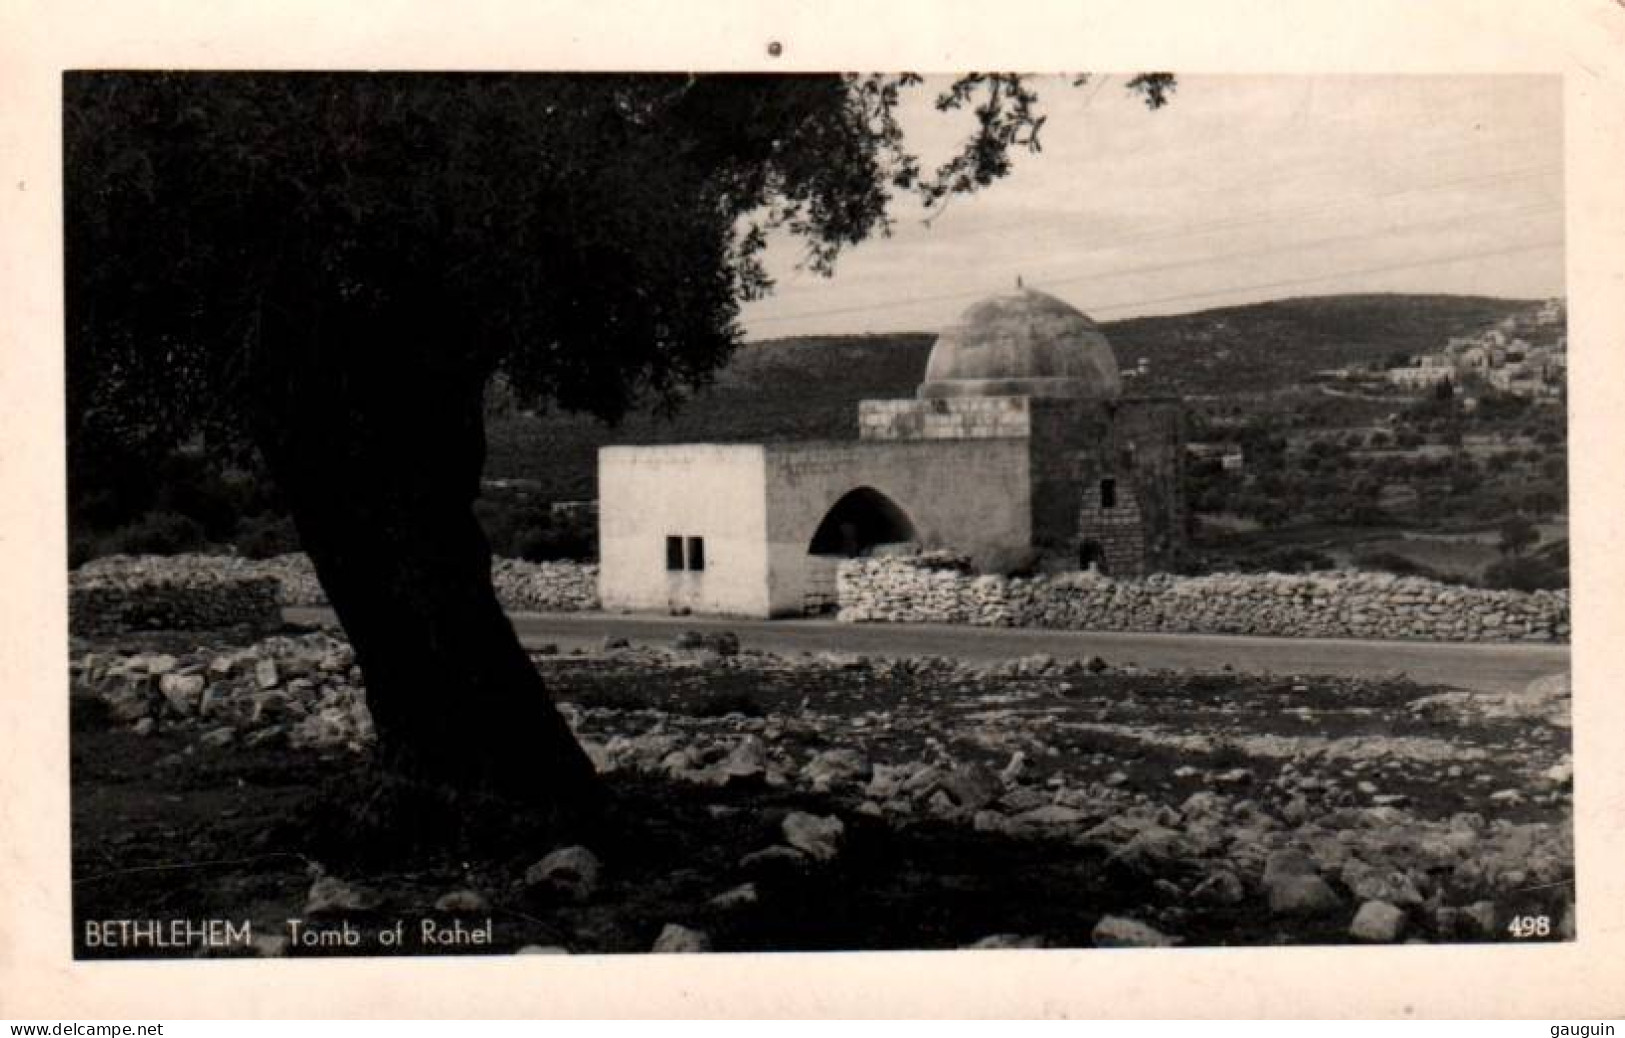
(808, 388)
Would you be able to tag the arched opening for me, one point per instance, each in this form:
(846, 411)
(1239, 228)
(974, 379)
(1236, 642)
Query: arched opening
(860, 520)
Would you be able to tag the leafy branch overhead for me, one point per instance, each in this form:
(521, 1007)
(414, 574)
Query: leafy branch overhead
(331, 267)
(591, 235)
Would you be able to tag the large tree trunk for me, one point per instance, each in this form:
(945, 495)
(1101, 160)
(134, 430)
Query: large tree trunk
(380, 473)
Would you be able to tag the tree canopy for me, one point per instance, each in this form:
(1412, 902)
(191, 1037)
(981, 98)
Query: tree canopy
(590, 235)
(331, 266)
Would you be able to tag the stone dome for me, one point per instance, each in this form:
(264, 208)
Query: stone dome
(1024, 344)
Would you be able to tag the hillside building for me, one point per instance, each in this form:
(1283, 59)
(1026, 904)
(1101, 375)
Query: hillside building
(1019, 449)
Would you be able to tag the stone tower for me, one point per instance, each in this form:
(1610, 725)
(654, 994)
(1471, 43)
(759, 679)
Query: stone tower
(1106, 471)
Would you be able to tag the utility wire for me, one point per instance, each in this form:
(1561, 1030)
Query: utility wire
(1191, 230)
(1065, 279)
(1385, 268)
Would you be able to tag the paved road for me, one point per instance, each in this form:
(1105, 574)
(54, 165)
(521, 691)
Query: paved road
(1492, 668)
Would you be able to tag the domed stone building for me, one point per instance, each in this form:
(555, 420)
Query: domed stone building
(1019, 450)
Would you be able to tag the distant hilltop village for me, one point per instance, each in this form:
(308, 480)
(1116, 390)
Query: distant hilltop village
(1524, 354)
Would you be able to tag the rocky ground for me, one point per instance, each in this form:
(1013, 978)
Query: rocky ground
(830, 802)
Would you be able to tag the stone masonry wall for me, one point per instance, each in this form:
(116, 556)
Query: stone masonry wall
(1119, 531)
(184, 601)
(961, 418)
(189, 588)
(1319, 605)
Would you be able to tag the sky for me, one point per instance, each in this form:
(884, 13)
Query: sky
(1242, 189)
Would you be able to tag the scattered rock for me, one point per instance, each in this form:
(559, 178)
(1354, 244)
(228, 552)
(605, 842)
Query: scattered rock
(1285, 863)
(817, 837)
(1221, 888)
(747, 761)
(971, 786)
(1120, 932)
(1378, 922)
(1005, 940)
(1152, 851)
(182, 692)
(330, 895)
(1013, 771)
(769, 859)
(469, 902)
(1478, 919)
(679, 940)
(1301, 896)
(569, 872)
(1380, 885)
(265, 674)
(738, 897)
(723, 643)
(1050, 814)
(837, 767)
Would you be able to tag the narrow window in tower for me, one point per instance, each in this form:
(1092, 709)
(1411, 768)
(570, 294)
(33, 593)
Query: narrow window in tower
(674, 554)
(1108, 493)
(696, 553)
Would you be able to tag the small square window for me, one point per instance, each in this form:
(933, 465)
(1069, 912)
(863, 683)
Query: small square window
(696, 553)
(674, 554)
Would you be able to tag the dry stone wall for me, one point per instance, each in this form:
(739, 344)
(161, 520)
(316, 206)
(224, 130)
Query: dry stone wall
(108, 604)
(189, 592)
(546, 587)
(1318, 605)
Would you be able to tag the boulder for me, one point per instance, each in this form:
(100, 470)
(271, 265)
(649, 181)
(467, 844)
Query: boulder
(569, 872)
(1120, 932)
(1378, 922)
(1301, 896)
(738, 897)
(1004, 941)
(330, 895)
(818, 837)
(462, 902)
(837, 767)
(1222, 887)
(676, 939)
(182, 692)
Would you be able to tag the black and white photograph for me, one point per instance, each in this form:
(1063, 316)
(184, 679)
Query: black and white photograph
(629, 511)
(681, 513)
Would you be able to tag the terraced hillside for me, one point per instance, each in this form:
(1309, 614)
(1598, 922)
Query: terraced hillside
(807, 388)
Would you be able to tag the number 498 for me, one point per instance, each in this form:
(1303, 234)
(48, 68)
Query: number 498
(1530, 926)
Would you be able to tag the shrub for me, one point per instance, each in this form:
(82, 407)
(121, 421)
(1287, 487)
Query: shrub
(266, 534)
(1294, 559)
(1527, 573)
(156, 533)
(1399, 565)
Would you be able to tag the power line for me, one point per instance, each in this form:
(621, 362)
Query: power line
(1386, 268)
(1175, 232)
(1315, 243)
(894, 304)
(1335, 275)
(1229, 189)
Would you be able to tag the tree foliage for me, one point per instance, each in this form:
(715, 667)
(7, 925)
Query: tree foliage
(590, 235)
(331, 267)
